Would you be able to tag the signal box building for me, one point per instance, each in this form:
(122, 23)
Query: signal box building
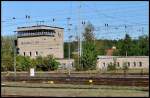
(41, 40)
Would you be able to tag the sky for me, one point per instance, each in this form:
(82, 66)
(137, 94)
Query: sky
(117, 14)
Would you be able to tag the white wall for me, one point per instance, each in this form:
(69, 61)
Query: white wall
(131, 59)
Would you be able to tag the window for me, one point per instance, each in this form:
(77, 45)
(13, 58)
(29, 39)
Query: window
(134, 64)
(36, 53)
(24, 53)
(104, 64)
(140, 64)
(118, 64)
(30, 53)
(128, 64)
(17, 51)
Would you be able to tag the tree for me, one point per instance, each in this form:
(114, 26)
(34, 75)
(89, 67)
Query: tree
(54, 64)
(76, 62)
(33, 63)
(40, 64)
(144, 45)
(112, 65)
(133, 47)
(7, 53)
(124, 46)
(23, 63)
(51, 63)
(89, 53)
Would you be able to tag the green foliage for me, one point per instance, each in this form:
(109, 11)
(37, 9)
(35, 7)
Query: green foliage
(88, 58)
(7, 53)
(51, 63)
(112, 66)
(33, 63)
(23, 63)
(73, 48)
(76, 62)
(89, 53)
(125, 66)
(88, 34)
(144, 45)
(136, 47)
(46, 63)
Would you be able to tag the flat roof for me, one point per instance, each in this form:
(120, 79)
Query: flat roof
(123, 57)
(37, 27)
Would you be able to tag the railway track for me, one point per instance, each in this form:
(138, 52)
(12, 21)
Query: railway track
(118, 81)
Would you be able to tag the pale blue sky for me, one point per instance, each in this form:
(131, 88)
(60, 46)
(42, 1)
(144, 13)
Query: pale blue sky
(114, 13)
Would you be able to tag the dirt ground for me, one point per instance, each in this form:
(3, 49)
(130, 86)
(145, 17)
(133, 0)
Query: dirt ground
(68, 90)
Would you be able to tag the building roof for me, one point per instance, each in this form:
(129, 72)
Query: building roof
(104, 56)
(109, 52)
(37, 27)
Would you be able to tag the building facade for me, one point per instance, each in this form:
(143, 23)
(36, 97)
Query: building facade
(40, 41)
(131, 61)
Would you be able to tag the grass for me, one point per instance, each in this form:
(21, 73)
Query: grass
(42, 89)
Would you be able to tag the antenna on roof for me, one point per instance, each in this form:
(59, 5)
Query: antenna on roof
(37, 23)
(53, 21)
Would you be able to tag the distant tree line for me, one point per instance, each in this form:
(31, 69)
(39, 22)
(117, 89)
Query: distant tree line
(133, 47)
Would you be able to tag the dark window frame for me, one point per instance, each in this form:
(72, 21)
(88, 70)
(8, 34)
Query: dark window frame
(134, 64)
(36, 53)
(140, 64)
(128, 64)
(30, 53)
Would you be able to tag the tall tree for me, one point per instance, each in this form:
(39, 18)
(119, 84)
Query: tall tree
(144, 45)
(89, 53)
(7, 52)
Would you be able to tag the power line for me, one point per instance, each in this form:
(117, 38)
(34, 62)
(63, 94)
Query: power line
(60, 12)
(108, 16)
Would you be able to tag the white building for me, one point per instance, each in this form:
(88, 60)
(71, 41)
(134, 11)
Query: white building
(132, 61)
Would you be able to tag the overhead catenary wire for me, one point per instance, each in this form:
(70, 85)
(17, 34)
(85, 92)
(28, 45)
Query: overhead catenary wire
(61, 21)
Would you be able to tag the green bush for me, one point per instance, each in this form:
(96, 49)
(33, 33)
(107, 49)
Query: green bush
(111, 67)
(24, 63)
(125, 67)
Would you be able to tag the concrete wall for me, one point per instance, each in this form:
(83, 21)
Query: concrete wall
(66, 63)
(44, 45)
(132, 61)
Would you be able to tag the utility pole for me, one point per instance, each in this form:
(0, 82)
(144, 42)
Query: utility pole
(126, 33)
(27, 17)
(80, 32)
(14, 57)
(68, 21)
(69, 53)
(14, 53)
(79, 36)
